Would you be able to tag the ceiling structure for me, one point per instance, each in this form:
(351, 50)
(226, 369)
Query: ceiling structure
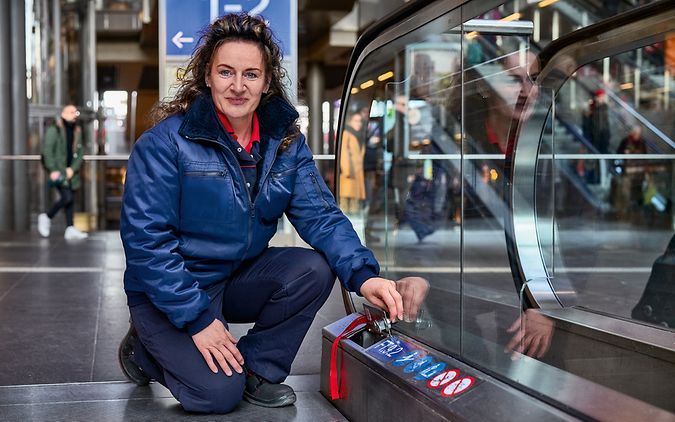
(127, 37)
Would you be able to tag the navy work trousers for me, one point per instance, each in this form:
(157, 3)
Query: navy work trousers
(281, 291)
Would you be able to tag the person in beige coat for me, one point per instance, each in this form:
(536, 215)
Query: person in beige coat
(352, 181)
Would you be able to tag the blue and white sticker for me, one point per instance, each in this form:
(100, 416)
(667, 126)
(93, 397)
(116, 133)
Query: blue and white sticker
(389, 349)
(430, 371)
(407, 358)
(418, 364)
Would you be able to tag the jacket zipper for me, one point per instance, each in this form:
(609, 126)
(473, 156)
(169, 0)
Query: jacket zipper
(318, 189)
(251, 206)
(204, 173)
(274, 158)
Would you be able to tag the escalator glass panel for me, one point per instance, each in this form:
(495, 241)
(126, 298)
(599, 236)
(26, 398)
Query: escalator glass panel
(529, 276)
(614, 219)
(400, 135)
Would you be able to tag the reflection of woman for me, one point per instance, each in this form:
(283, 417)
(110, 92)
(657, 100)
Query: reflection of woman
(204, 190)
(504, 92)
(496, 101)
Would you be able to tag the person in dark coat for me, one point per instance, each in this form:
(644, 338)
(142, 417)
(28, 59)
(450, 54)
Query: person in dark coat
(205, 188)
(62, 159)
(629, 182)
(599, 121)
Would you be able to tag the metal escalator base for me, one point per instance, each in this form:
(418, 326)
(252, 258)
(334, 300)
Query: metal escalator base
(373, 389)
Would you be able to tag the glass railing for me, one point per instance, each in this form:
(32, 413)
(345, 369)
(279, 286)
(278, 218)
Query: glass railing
(97, 202)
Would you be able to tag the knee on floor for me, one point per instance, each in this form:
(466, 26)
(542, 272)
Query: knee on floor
(220, 395)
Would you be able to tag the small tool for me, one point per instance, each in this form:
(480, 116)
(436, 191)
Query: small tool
(378, 322)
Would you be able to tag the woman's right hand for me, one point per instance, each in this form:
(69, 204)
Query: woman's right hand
(54, 176)
(215, 341)
(382, 293)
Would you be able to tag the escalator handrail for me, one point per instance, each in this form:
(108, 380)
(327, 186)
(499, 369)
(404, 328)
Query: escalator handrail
(585, 45)
(631, 110)
(599, 28)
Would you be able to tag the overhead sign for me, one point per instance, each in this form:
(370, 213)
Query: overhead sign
(184, 23)
(181, 23)
(277, 13)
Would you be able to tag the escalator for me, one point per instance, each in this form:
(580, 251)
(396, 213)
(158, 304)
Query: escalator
(522, 300)
(573, 133)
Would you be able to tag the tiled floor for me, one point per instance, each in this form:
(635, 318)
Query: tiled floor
(63, 313)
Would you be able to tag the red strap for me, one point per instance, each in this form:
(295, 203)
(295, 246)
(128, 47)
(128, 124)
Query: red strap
(334, 386)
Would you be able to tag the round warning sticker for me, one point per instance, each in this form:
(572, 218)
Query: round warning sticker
(443, 378)
(458, 386)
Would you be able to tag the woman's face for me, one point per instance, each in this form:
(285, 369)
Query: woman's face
(237, 79)
(514, 85)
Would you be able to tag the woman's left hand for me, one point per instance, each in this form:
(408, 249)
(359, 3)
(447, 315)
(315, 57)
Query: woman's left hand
(382, 292)
(532, 334)
(413, 291)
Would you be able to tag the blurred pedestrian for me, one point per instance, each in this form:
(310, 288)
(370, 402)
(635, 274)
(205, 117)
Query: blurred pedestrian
(352, 179)
(62, 159)
(598, 121)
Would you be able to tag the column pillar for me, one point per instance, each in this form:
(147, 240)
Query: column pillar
(6, 186)
(89, 103)
(315, 89)
(58, 63)
(19, 115)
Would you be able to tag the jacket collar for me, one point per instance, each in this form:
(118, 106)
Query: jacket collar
(201, 121)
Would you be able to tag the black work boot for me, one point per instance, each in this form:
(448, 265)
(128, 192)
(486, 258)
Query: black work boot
(125, 355)
(261, 392)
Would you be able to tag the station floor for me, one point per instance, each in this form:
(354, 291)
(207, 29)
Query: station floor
(63, 312)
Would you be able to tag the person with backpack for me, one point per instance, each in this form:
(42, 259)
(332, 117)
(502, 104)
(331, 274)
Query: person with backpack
(62, 159)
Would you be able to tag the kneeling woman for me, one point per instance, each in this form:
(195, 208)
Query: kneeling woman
(204, 190)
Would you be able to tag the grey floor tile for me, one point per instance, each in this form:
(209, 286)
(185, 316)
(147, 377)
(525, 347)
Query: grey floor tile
(113, 322)
(125, 402)
(48, 330)
(61, 331)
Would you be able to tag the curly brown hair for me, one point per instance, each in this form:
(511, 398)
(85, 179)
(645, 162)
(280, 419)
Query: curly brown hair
(230, 27)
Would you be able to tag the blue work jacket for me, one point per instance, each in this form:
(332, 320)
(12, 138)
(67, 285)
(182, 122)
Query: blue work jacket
(188, 220)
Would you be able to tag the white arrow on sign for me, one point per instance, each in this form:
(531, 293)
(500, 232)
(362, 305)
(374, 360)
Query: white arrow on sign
(260, 7)
(179, 39)
(236, 8)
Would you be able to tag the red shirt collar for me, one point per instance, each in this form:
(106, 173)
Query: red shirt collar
(255, 129)
(492, 137)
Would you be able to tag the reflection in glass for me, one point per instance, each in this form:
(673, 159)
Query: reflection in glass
(443, 130)
(614, 214)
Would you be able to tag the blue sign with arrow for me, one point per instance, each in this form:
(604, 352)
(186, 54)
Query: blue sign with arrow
(183, 24)
(185, 20)
(277, 13)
